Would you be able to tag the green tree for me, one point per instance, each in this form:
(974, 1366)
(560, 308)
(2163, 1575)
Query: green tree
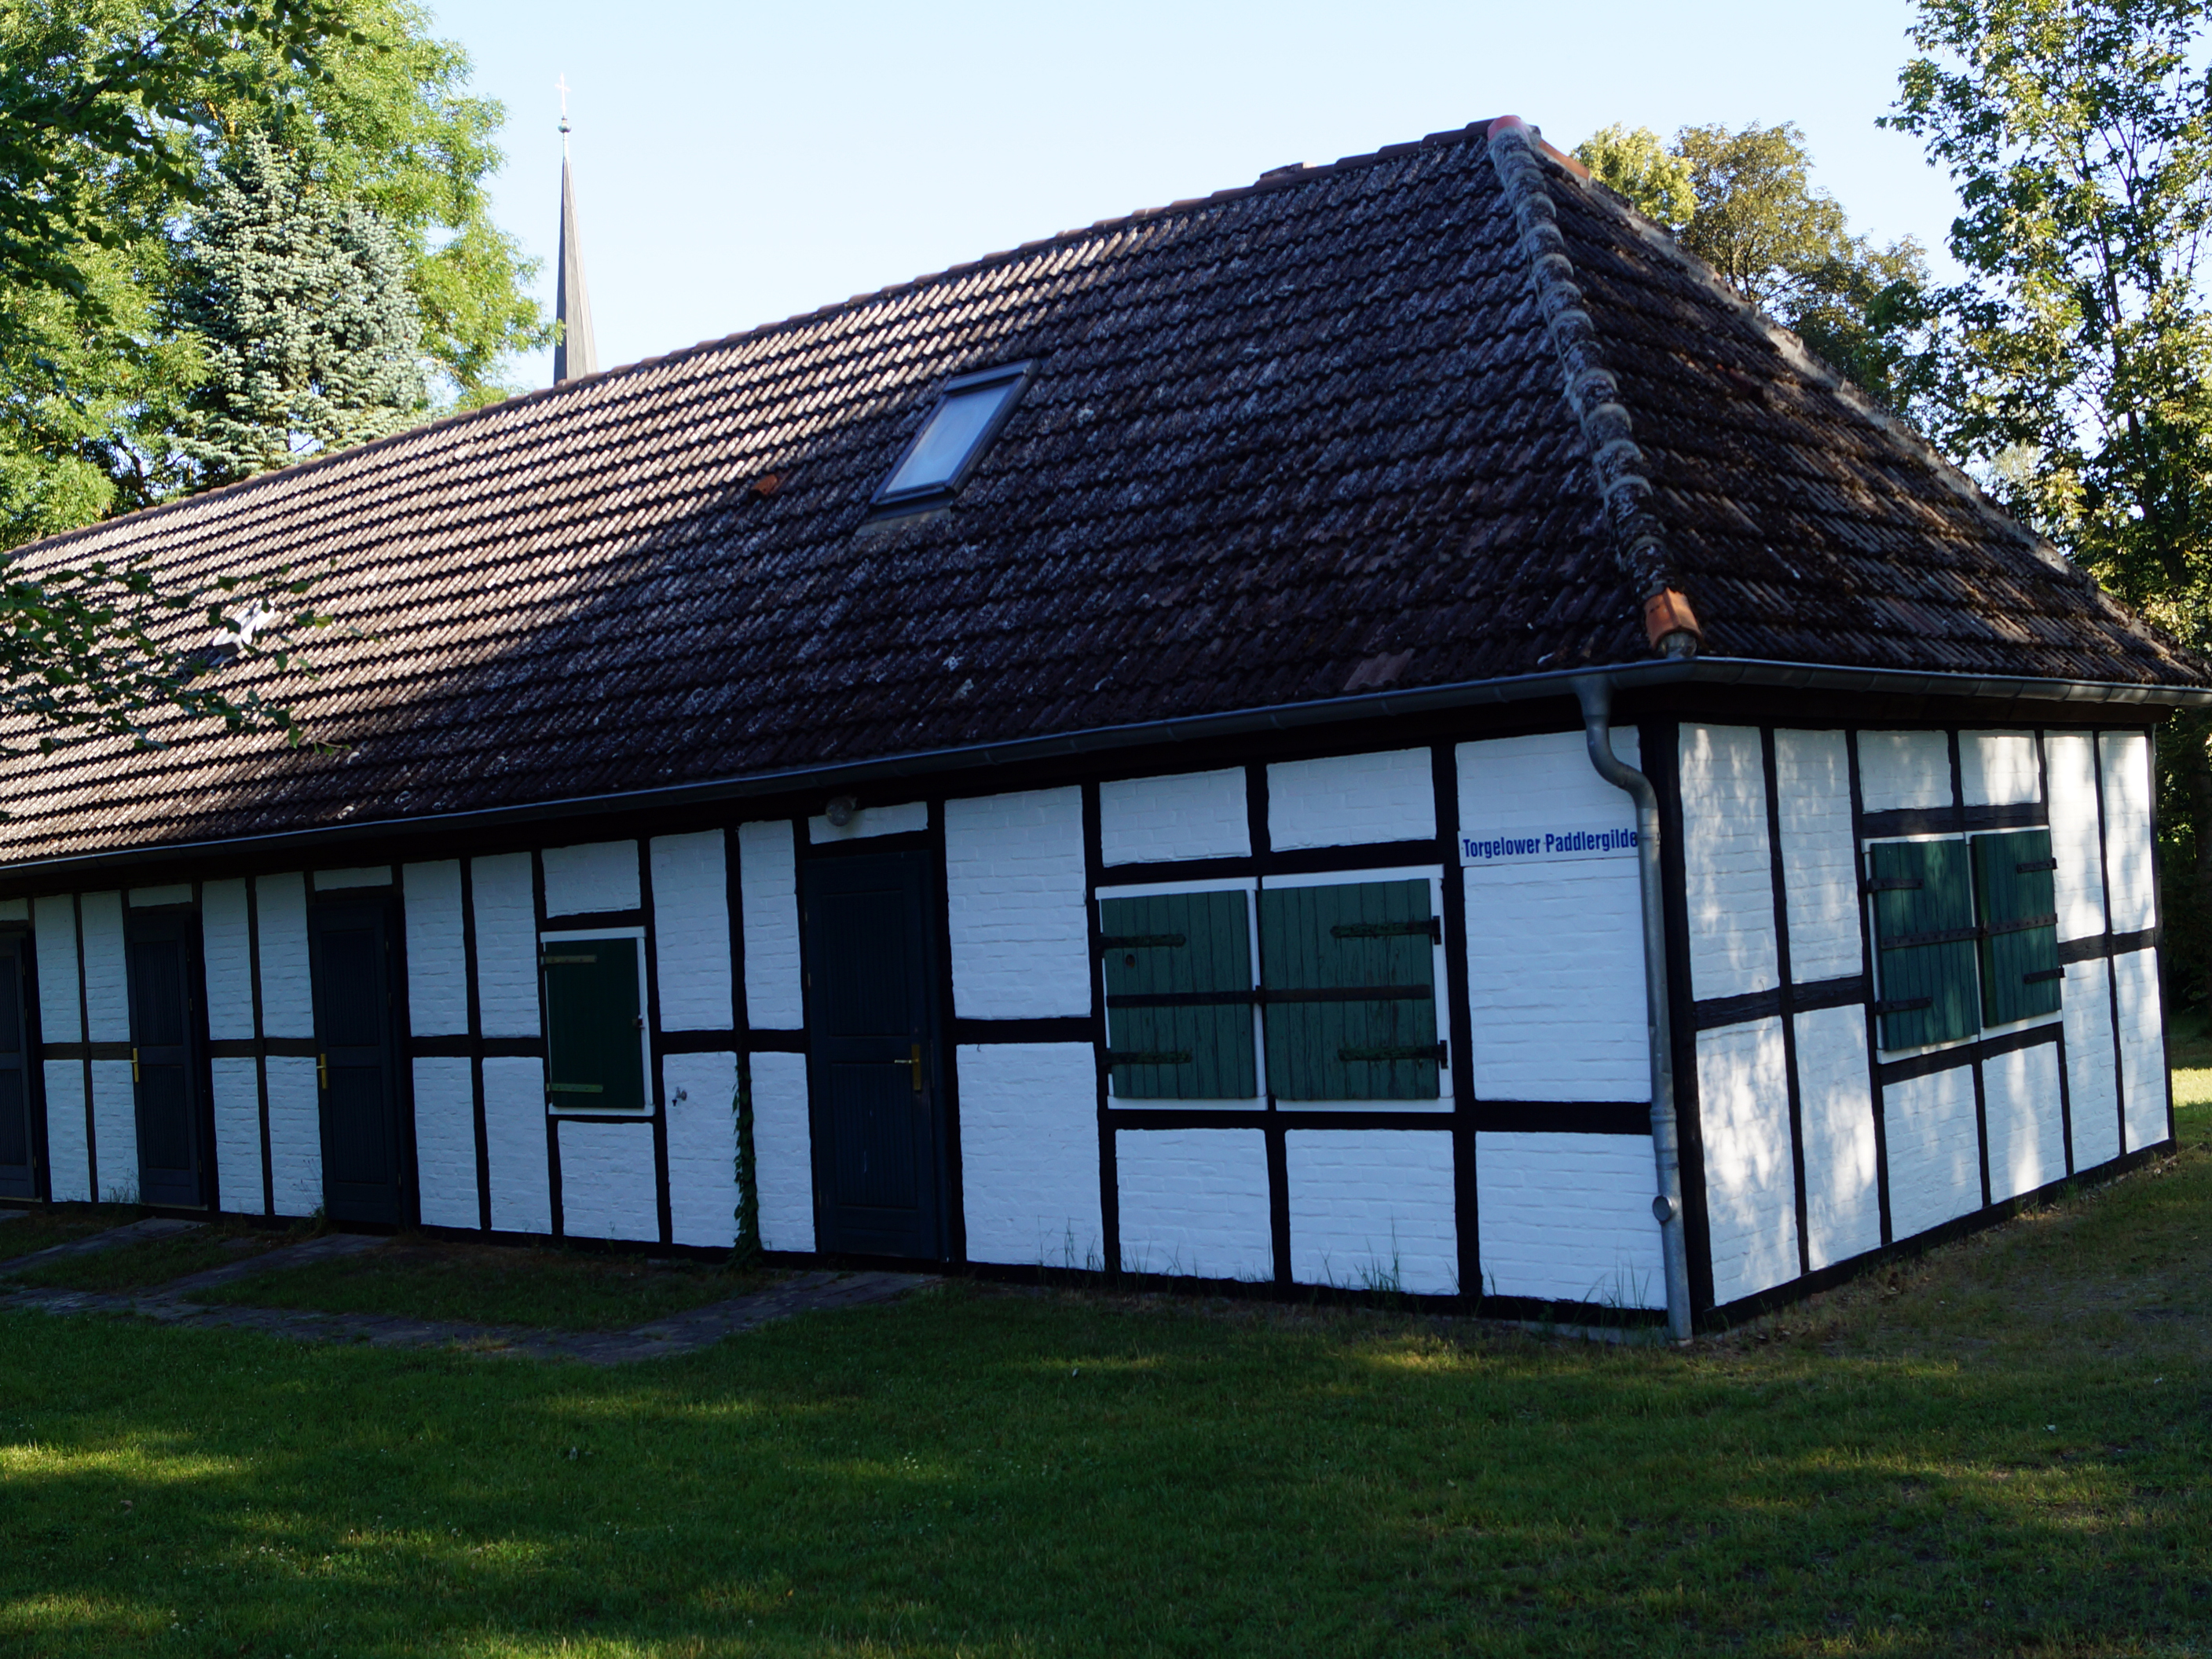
(1640, 167)
(300, 302)
(2073, 358)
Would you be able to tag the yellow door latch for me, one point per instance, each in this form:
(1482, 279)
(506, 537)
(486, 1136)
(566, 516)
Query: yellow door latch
(322, 1072)
(916, 1063)
(134, 1065)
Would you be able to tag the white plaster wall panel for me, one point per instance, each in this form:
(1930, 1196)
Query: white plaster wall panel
(1567, 1218)
(2092, 1069)
(1835, 1095)
(106, 980)
(1997, 768)
(228, 945)
(1348, 799)
(1194, 1202)
(361, 875)
(602, 876)
(908, 817)
(2078, 883)
(514, 1146)
(1373, 1209)
(115, 1130)
(295, 1136)
(1014, 877)
(237, 1102)
(783, 1155)
(2142, 1048)
(53, 930)
(1191, 815)
(1727, 861)
(768, 884)
(1820, 870)
(1901, 770)
(437, 955)
(288, 993)
(1751, 1182)
(1029, 1154)
(2027, 1130)
(446, 1141)
(69, 1153)
(2128, 868)
(1555, 982)
(506, 950)
(609, 1186)
(1935, 1151)
(692, 932)
(702, 1145)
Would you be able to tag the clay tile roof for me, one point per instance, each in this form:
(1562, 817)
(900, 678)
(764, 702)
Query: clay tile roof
(1296, 440)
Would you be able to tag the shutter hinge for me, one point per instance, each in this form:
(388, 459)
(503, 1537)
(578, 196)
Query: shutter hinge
(1142, 941)
(2042, 976)
(2034, 866)
(1894, 885)
(1387, 1052)
(1905, 1006)
(1148, 1056)
(1432, 929)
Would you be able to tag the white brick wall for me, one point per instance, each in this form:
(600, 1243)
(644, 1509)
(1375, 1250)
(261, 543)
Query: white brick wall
(702, 1145)
(2079, 881)
(69, 1155)
(2142, 1047)
(1728, 862)
(1751, 1184)
(53, 925)
(1014, 877)
(2128, 875)
(228, 947)
(2092, 1077)
(288, 993)
(115, 1125)
(1373, 1209)
(1567, 1218)
(1029, 1154)
(1351, 799)
(692, 932)
(106, 983)
(905, 819)
(1935, 1153)
(1898, 770)
(515, 1140)
(783, 1158)
(2027, 1131)
(237, 1103)
(295, 1134)
(601, 876)
(1191, 815)
(446, 1141)
(1194, 1202)
(1997, 768)
(506, 954)
(768, 883)
(437, 957)
(1835, 1098)
(609, 1189)
(1819, 873)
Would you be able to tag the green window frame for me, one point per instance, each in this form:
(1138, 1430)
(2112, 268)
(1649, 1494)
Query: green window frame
(1349, 972)
(1179, 995)
(594, 1024)
(2015, 895)
(1925, 942)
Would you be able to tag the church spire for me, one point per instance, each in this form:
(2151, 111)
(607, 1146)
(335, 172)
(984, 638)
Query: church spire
(574, 354)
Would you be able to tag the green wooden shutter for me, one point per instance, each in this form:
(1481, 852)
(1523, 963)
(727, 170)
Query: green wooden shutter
(594, 1040)
(1349, 973)
(1925, 934)
(2016, 898)
(1179, 996)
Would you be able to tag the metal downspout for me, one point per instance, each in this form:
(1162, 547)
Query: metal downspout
(1595, 692)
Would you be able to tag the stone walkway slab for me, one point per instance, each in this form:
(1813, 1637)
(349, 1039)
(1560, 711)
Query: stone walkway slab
(130, 1233)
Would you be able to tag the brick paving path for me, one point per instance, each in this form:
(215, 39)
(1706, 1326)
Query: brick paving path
(683, 1333)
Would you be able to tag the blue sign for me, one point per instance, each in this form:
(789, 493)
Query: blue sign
(1546, 846)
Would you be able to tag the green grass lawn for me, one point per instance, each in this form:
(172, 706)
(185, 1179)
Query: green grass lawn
(144, 1263)
(40, 1228)
(2001, 1449)
(567, 1290)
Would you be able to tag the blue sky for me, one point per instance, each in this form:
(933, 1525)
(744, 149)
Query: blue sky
(739, 163)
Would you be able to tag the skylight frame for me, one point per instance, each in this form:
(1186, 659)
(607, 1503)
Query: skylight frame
(887, 500)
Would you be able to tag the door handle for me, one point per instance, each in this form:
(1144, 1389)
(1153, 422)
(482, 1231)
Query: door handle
(134, 1065)
(914, 1061)
(323, 1071)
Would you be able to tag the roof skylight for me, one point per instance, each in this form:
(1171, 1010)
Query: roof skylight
(969, 414)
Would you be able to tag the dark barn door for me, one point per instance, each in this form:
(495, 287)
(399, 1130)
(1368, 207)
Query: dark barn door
(872, 1061)
(169, 1057)
(355, 1062)
(19, 1147)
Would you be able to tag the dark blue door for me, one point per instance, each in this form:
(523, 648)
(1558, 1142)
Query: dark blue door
(169, 1057)
(872, 1056)
(19, 1140)
(356, 1066)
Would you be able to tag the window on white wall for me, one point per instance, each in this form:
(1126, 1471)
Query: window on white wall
(593, 987)
(1965, 934)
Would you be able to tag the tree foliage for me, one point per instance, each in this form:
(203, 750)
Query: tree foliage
(1639, 166)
